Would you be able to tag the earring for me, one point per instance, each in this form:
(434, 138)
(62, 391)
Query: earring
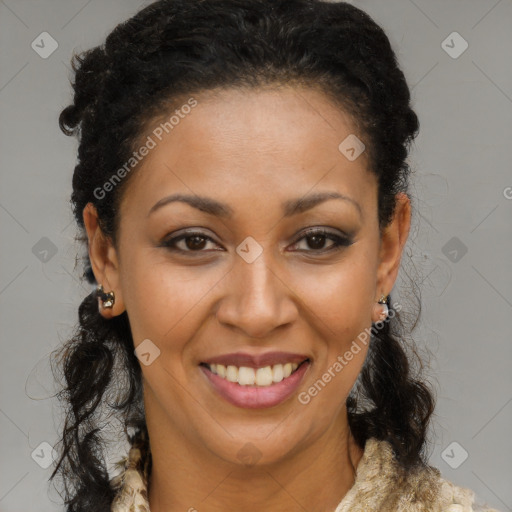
(107, 299)
(384, 308)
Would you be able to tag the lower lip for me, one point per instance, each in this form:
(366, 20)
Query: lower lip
(257, 397)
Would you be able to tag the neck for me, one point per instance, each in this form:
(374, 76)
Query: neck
(186, 477)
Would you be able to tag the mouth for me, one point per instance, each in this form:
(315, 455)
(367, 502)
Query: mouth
(255, 387)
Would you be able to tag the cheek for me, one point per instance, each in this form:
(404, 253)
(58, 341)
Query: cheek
(340, 296)
(163, 299)
(339, 304)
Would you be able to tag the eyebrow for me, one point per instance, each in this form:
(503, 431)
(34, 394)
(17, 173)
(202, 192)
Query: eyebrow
(290, 207)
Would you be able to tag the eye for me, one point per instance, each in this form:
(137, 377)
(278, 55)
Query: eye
(192, 241)
(317, 237)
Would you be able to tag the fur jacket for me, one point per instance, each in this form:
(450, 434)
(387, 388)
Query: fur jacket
(380, 486)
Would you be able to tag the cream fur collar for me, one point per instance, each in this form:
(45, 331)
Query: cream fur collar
(380, 485)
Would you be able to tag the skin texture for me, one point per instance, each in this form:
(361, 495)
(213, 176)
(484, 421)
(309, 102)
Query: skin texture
(251, 150)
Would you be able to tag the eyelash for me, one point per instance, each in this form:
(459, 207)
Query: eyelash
(339, 241)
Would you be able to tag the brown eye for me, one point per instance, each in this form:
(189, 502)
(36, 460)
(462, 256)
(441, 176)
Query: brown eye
(195, 242)
(190, 242)
(316, 239)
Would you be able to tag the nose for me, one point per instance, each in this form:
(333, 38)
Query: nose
(257, 299)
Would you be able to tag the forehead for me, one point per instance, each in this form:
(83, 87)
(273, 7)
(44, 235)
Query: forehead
(252, 142)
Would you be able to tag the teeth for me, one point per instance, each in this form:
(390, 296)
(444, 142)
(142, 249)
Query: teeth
(221, 370)
(254, 377)
(232, 373)
(277, 373)
(246, 376)
(263, 376)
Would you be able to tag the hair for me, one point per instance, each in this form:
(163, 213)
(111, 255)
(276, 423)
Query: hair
(147, 65)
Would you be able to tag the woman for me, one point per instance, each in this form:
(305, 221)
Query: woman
(242, 188)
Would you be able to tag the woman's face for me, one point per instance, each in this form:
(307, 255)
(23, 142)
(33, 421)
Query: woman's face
(249, 279)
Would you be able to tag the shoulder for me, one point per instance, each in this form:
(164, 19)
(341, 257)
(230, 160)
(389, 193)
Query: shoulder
(382, 485)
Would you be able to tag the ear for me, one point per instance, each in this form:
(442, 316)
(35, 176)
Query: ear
(392, 243)
(104, 261)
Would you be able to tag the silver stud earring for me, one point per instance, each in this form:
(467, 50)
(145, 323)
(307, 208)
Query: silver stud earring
(107, 299)
(385, 310)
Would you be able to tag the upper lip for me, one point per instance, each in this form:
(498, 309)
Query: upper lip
(256, 361)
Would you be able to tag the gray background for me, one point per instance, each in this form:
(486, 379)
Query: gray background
(462, 196)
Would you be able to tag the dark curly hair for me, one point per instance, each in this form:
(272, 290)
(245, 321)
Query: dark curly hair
(148, 64)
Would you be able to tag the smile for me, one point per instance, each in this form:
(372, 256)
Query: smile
(255, 388)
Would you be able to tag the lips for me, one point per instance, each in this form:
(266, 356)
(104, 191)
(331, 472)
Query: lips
(258, 360)
(256, 397)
